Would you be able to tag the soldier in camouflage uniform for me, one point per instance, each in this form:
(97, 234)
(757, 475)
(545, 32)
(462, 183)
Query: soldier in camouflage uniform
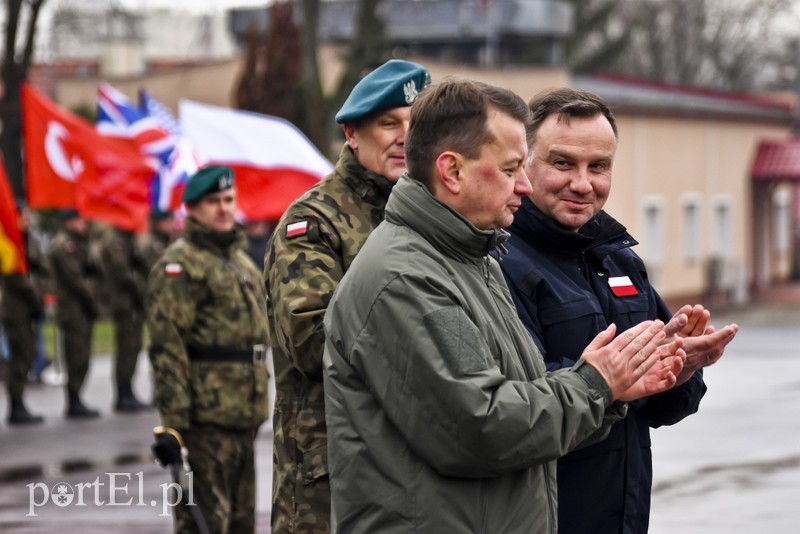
(207, 321)
(75, 279)
(22, 312)
(126, 274)
(161, 233)
(312, 247)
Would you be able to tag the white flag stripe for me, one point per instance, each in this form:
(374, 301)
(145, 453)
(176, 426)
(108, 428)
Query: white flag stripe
(235, 136)
(618, 281)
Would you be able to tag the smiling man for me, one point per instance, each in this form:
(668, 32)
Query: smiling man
(312, 247)
(572, 273)
(441, 417)
(208, 336)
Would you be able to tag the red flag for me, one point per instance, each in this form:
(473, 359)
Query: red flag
(68, 164)
(12, 247)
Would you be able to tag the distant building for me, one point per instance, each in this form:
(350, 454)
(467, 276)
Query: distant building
(479, 32)
(115, 42)
(703, 179)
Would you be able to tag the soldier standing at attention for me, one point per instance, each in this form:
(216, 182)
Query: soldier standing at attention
(126, 275)
(208, 333)
(158, 237)
(74, 276)
(312, 247)
(22, 312)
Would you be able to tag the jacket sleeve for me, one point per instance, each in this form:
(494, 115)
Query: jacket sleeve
(436, 378)
(170, 314)
(674, 405)
(523, 296)
(301, 275)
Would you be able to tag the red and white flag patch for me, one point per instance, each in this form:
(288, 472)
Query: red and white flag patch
(622, 286)
(296, 229)
(173, 269)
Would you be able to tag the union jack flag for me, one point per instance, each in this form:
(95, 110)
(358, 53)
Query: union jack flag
(155, 133)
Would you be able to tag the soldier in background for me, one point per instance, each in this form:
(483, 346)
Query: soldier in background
(158, 237)
(22, 312)
(208, 333)
(125, 274)
(313, 245)
(258, 233)
(75, 276)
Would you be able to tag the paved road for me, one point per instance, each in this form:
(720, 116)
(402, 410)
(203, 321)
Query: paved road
(109, 456)
(733, 468)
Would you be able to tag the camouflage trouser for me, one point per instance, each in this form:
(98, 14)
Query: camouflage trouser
(301, 492)
(224, 480)
(77, 345)
(21, 337)
(128, 326)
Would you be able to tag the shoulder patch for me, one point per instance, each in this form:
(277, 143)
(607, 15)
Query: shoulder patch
(296, 229)
(173, 269)
(307, 228)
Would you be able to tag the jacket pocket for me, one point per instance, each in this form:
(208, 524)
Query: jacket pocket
(315, 464)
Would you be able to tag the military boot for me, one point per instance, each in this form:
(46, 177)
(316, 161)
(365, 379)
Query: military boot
(18, 414)
(77, 410)
(127, 401)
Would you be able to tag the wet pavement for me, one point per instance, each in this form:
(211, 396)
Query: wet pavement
(732, 468)
(104, 464)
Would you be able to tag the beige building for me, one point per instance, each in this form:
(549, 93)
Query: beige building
(682, 182)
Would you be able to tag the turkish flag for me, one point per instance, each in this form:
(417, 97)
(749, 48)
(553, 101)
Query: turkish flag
(69, 164)
(12, 248)
(272, 161)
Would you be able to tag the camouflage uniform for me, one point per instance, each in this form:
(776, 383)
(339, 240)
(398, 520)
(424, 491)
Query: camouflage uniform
(126, 275)
(301, 274)
(152, 245)
(75, 279)
(205, 314)
(21, 312)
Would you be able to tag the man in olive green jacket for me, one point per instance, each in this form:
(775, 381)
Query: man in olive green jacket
(206, 316)
(441, 416)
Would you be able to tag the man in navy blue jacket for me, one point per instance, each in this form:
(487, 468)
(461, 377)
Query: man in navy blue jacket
(571, 273)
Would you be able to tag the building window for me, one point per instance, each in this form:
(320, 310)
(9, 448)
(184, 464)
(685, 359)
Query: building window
(653, 244)
(721, 243)
(691, 227)
(782, 201)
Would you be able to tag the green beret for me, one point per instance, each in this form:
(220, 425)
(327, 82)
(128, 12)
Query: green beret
(206, 181)
(157, 214)
(394, 84)
(66, 214)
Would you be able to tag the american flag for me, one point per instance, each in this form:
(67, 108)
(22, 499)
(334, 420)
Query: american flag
(161, 113)
(156, 135)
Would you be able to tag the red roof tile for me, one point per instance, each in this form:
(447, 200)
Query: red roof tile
(777, 160)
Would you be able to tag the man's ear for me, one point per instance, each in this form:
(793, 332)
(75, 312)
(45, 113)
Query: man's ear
(349, 135)
(448, 165)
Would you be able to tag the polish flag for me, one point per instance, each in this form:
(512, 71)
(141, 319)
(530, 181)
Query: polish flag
(273, 162)
(296, 229)
(622, 286)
